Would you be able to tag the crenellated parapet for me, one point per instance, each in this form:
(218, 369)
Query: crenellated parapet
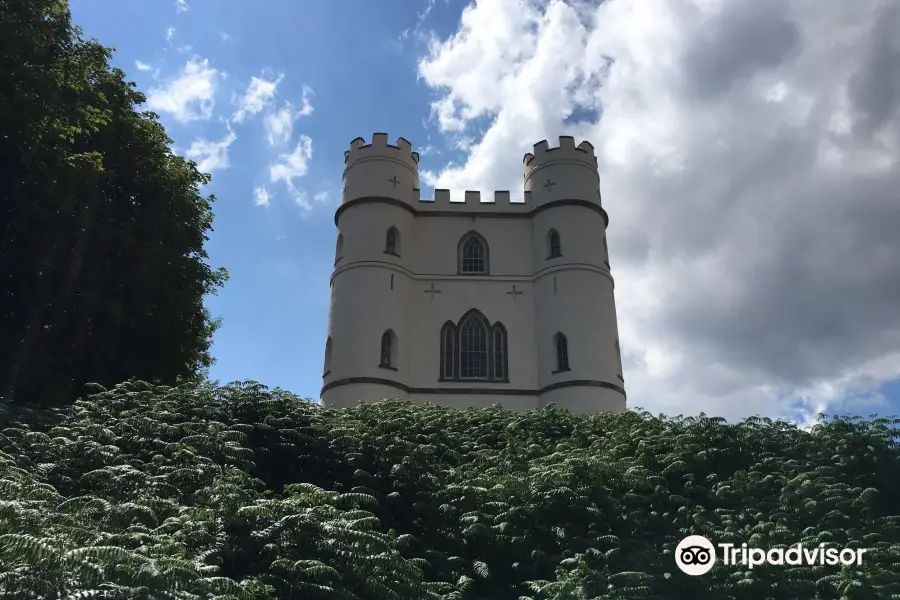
(380, 149)
(566, 153)
(384, 171)
(474, 201)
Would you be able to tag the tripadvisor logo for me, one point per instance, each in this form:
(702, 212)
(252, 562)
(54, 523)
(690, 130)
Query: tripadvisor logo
(696, 555)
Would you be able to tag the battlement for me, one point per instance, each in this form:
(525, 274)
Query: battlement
(380, 148)
(567, 151)
(472, 201)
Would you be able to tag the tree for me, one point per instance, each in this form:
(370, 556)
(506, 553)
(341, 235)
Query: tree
(102, 227)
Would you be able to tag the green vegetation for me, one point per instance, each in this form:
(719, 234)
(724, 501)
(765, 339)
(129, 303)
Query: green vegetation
(101, 226)
(203, 492)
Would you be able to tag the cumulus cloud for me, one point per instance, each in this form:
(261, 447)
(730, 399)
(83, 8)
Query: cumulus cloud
(280, 123)
(291, 167)
(142, 66)
(211, 155)
(749, 164)
(190, 95)
(259, 94)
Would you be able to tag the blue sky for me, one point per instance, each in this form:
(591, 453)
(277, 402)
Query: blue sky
(725, 166)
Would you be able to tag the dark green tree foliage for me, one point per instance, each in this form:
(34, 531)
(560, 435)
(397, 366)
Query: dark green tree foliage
(102, 267)
(199, 492)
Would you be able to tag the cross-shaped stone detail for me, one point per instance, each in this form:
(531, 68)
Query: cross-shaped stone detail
(394, 180)
(514, 292)
(549, 184)
(432, 291)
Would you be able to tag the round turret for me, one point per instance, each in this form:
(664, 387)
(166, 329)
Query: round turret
(367, 346)
(575, 315)
(381, 169)
(567, 172)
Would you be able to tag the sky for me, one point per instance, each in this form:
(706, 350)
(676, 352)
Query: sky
(748, 154)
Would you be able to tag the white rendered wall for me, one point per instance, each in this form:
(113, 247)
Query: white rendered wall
(373, 291)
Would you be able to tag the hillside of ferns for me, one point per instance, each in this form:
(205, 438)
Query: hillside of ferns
(238, 492)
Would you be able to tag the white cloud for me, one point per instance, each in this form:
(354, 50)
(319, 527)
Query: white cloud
(170, 33)
(748, 153)
(181, 6)
(293, 166)
(261, 196)
(259, 94)
(321, 197)
(225, 36)
(211, 156)
(189, 96)
(305, 106)
(280, 123)
(142, 66)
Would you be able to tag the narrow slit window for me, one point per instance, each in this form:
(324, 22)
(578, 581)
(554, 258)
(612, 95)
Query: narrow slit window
(387, 350)
(562, 353)
(555, 248)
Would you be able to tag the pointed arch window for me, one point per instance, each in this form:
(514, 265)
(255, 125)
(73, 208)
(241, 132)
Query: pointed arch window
(448, 351)
(339, 248)
(392, 242)
(562, 353)
(388, 350)
(473, 255)
(473, 339)
(554, 247)
(473, 350)
(498, 351)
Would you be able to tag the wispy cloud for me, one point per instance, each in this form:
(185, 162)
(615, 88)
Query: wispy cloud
(142, 66)
(259, 94)
(181, 6)
(225, 36)
(416, 32)
(189, 96)
(261, 196)
(306, 108)
(211, 156)
(280, 123)
(291, 167)
(170, 33)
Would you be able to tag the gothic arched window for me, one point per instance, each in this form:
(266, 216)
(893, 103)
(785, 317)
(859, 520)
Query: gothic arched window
(448, 351)
(562, 352)
(339, 248)
(473, 254)
(388, 347)
(392, 242)
(498, 351)
(554, 248)
(472, 349)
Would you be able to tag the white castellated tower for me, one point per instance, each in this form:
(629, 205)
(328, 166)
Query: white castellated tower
(473, 301)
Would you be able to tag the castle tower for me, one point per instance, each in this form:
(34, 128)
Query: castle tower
(575, 315)
(472, 301)
(371, 272)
